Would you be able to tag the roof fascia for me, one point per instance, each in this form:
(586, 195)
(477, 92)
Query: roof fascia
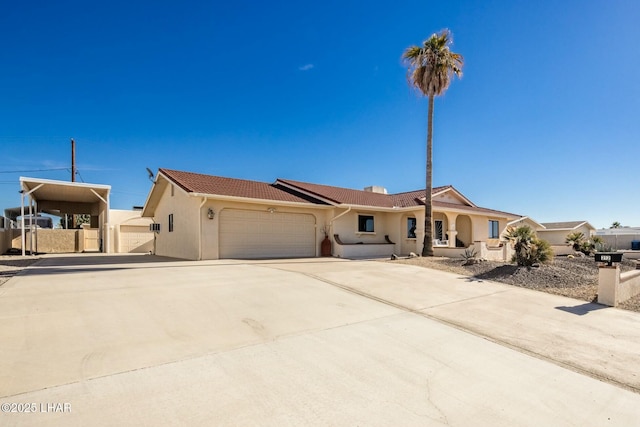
(530, 219)
(258, 201)
(157, 187)
(462, 196)
(471, 210)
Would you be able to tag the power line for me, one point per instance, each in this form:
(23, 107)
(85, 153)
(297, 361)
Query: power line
(35, 170)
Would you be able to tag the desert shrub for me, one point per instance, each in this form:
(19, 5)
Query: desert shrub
(576, 240)
(469, 256)
(529, 249)
(580, 243)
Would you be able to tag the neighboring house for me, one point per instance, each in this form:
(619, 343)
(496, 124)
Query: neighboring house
(621, 238)
(556, 232)
(210, 217)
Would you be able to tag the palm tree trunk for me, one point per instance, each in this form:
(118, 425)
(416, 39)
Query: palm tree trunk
(427, 248)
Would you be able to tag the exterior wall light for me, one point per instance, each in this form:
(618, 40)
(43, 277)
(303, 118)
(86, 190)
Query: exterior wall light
(211, 214)
(271, 210)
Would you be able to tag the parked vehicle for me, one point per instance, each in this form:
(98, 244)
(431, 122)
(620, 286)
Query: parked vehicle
(38, 221)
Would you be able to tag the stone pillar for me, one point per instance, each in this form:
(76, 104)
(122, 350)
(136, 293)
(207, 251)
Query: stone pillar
(608, 282)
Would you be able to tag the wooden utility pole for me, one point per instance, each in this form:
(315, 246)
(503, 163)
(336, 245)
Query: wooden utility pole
(73, 176)
(73, 160)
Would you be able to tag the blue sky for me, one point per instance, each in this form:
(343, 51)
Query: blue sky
(543, 123)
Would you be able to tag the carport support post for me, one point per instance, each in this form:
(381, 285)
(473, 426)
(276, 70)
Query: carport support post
(105, 225)
(23, 237)
(24, 193)
(31, 225)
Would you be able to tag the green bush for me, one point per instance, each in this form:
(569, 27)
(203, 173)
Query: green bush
(580, 243)
(529, 249)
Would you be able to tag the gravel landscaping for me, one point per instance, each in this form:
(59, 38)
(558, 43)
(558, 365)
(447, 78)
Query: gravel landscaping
(570, 277)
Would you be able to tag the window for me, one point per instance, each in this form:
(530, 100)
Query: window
(365, 223)
(411, 228)
(438, 232)
(494, 229)
(170, 223)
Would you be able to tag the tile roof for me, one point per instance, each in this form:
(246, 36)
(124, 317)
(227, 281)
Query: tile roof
(342, 195)
(562, 225)
(303, 192)
(349, 196)
(216, 185)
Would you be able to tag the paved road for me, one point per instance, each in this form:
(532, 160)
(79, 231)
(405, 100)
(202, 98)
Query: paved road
(142, 340)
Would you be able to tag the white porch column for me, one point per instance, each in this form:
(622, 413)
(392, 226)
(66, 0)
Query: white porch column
(452, 232)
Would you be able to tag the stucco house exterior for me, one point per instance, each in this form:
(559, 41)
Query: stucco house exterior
(556, 232)
(201, 216)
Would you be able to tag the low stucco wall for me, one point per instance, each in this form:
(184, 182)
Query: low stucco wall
(370, 250)
(5, 240)
(50, 241)
(629, 285)
(615, 287)
(448, 252)
(562, 250)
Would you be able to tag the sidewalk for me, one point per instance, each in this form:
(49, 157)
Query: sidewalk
(593, 339)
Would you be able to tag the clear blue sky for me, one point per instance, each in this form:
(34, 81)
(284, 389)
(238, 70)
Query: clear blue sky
(545, 121)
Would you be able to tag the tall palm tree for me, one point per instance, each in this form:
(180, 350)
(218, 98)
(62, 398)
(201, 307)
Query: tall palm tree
(432, 66)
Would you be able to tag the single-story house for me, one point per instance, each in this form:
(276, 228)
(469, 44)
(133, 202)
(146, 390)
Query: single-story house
(199, 216)
(556, 232)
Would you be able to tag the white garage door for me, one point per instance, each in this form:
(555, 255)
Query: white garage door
(261, 234)
(135, 239)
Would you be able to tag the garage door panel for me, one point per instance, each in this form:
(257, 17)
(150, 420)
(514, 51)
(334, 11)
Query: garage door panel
(135, 239)
(260, 234)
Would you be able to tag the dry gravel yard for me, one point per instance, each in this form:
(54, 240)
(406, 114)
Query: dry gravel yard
(574, 278)
(12, 265)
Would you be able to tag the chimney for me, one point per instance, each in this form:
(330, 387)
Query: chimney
(376, 189)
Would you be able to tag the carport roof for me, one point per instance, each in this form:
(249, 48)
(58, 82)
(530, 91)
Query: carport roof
(64, 191)
(60, 191)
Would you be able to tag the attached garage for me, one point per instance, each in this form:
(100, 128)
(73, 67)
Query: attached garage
(135, 239)
(265, 234)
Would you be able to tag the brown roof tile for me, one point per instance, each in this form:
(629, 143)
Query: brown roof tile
(300, 192)
(342, 195)
(216, 185)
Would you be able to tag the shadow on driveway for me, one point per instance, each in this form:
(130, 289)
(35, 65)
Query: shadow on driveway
(582, 309)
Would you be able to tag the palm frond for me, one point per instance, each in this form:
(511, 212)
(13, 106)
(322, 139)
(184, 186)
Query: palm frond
(432, 66)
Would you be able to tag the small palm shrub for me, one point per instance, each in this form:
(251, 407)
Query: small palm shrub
(579, 243)
(576, 240)
(529, 249)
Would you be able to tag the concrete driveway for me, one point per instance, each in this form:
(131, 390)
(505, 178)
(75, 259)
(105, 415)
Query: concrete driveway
(142, 340)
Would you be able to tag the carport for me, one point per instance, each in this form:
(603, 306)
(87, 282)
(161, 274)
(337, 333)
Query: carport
(63, 197)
